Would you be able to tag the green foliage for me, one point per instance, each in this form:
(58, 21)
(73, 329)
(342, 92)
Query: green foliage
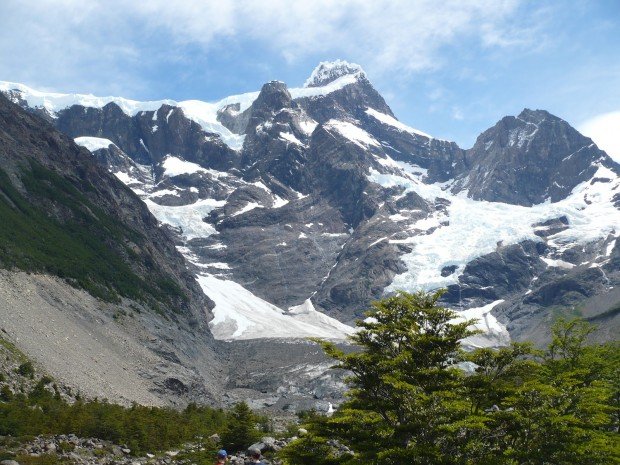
(314, 447)
(12, 349)
(65, 446)
(79, 247)
(26, 369)
(242, 430)
(142, 429)
(43, 459)
(5, 394)
(409, 403)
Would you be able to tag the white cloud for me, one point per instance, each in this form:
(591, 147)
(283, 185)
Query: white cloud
(102, 39)
(457, 113)
(604, 130)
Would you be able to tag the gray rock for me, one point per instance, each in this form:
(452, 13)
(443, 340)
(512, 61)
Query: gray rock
(527, 159)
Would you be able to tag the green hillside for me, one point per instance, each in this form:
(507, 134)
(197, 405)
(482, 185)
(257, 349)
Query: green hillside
(82, 249)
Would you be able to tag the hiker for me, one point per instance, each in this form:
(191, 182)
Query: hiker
(222, 455)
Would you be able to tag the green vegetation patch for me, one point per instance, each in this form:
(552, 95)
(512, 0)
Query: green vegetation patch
(13, 350)
(142, 429)
(83, 249)
(409, 403)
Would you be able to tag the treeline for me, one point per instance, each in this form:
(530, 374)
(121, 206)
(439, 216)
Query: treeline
(141, 429)
(417, 398)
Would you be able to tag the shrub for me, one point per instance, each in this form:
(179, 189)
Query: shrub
(26, 369)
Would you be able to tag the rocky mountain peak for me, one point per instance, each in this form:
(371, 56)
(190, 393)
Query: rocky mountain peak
(274, 95)
(534, 116)
(329, 71)
(348, 94)
(529, 159)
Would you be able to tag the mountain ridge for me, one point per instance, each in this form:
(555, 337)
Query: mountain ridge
(378, 189)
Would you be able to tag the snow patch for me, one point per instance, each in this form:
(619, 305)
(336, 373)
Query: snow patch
(188, 218)
(308, 126)
(557, 263)
(494, 334)
(249, 206)
(278, 202)
(174, 166)
(328, 71)
(353, 133)
(93, 143)
(239, 314)
(390, 121)
(205, 114)
(290, 137)
(163, 192)
(610, 247)
(126, 178)
(377, 241)
(219, 265)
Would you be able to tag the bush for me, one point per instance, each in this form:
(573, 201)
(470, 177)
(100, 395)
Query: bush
(65, 446)
(6, 394)
(26, 369)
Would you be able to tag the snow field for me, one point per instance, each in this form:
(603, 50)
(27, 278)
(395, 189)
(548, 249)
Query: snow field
(239, 314)
(473, 228)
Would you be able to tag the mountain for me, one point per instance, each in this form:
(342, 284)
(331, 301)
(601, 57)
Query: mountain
(88, 278)
(297, 206)
(529, 159)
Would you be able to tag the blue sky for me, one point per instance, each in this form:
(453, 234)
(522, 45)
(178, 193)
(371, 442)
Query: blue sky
(449, 68)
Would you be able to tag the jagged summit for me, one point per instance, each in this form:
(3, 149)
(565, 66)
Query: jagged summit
(535, 116)
(329, 71)
(273, 94)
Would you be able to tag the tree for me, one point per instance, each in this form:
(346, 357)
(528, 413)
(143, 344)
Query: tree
(241, 431)
(410, 403)
(564, 414)
(405, 383)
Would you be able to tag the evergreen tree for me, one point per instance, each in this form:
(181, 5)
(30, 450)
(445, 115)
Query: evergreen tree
(410, 403)
(404, 384)
(241, 431)
(563, 413)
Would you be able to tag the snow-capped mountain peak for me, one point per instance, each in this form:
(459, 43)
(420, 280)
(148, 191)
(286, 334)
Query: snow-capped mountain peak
(290, 194)
(329, 71)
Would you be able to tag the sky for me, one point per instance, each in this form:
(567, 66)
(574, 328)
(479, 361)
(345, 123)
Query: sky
(450, 68)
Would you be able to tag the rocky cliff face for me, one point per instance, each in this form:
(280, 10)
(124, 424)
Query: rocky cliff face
(107, 306)
(529, 159)
(46, 171)
(319, 193)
